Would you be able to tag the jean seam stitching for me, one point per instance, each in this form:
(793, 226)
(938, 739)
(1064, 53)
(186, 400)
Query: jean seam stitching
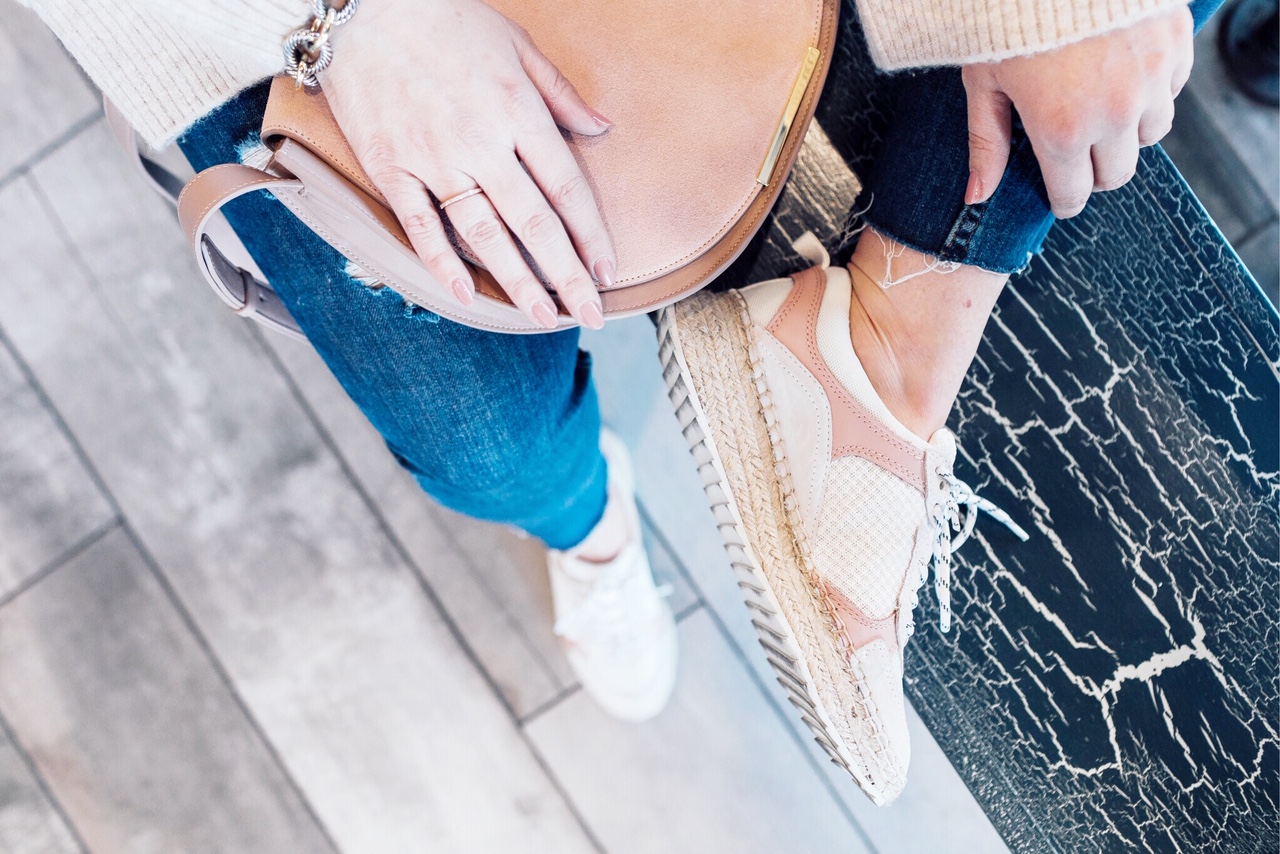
(955, 246)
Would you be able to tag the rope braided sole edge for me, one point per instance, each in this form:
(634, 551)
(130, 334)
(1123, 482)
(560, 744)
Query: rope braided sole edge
(743, 468)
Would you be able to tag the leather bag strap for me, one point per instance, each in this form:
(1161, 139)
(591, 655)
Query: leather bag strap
(198, 204)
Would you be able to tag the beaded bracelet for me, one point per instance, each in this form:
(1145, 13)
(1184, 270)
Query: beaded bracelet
(307, 51)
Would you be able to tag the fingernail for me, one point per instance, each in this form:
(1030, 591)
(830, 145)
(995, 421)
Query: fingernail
(604, 270)
(599, 119)
(545, 313)
(974, 191)
(462, 291)
(592, 318)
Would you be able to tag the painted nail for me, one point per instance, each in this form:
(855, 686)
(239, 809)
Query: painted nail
(599, 119)
(545, 313)
(462, 291)
(591, 315)
(974, 191)
(604, 271)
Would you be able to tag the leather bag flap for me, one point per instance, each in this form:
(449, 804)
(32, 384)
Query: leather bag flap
(696, 92)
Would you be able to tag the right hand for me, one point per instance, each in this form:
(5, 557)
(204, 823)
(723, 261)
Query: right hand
(449, 95)
(1087, 108)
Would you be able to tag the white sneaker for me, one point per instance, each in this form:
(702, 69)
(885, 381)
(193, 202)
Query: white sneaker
(832, 511)
(612, 619)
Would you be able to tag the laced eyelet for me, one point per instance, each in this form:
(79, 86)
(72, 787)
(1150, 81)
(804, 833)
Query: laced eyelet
(945, 516)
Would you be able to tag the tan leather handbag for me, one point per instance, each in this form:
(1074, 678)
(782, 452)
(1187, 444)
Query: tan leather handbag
(710, 100)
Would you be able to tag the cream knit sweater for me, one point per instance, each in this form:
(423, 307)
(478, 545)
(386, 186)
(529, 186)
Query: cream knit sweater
(165, 63)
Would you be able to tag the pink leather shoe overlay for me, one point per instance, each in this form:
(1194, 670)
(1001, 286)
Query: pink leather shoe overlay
(855, 431)
(859, 629)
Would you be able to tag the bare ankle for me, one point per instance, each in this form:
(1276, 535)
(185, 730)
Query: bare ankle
(915, 326)
(898, 370)
(608, 538)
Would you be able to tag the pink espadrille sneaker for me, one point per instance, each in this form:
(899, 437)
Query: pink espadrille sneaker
(832, 511)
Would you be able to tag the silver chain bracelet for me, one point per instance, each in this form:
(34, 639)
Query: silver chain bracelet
(307, 51)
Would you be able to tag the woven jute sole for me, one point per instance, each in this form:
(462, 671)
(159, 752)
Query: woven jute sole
(722, 403)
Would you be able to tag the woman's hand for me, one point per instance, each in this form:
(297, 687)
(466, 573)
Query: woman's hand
(447, 96)
(1087, 108)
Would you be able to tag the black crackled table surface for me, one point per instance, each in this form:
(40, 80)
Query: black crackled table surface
(1112, 683)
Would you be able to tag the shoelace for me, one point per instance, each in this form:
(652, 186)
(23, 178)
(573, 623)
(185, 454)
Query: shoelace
(959, 493)
(610, 605)
(944, 518)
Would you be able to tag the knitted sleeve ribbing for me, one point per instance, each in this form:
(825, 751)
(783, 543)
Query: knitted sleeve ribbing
(910, 33)
(166, 63)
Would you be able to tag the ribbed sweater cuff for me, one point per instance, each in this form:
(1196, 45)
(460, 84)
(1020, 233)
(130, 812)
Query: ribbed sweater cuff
(912, 33)
(167, 63)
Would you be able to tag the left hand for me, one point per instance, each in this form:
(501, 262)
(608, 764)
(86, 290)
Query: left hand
(1087, 108)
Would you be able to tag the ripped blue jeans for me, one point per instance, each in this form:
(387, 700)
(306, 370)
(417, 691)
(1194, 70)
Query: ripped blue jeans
(499, 427)
(505, 427)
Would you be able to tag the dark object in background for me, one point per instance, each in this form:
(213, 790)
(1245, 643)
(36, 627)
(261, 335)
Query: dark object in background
(1248, 40)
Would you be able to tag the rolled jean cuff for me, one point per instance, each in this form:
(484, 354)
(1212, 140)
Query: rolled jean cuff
(915, 191)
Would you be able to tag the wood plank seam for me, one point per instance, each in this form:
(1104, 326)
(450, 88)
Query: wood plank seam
(42, 784)
(69, 554)
(170, 593)
(74, 130)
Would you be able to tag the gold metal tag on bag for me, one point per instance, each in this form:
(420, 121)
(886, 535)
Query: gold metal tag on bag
(811, 57)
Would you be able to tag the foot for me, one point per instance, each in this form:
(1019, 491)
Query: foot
(832, 510)
(612, 619)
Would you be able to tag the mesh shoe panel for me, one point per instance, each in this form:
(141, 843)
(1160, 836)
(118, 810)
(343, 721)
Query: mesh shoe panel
(865, 532)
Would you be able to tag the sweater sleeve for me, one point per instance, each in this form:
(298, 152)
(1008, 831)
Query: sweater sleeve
(911, 33)
(166, 63)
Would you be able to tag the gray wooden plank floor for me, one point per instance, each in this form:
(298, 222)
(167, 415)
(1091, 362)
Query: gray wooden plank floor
(44, 95)
(51, 496)
(29, 821)
(229, 621)
(101, 674)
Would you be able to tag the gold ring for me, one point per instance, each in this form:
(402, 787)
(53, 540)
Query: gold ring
(466, 194)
